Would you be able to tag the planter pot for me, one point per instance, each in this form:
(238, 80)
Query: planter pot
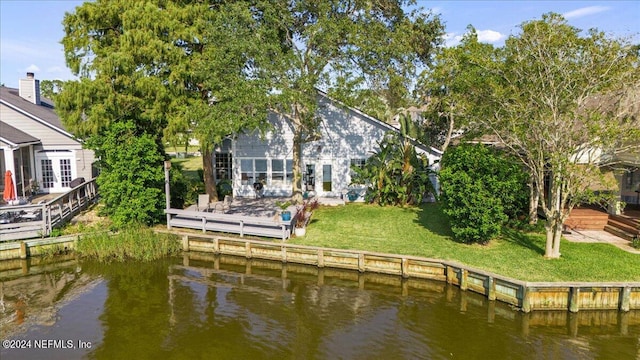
(286, 215)
(300, 231)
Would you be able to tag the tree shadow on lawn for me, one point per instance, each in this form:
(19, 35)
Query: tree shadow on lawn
(519, 238)
(431, 217)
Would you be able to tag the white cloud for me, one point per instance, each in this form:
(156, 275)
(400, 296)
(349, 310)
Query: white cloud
(585, 11)
(485, 36)
(489, 36)
(32, 68)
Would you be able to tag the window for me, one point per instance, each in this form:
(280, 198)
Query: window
(47, 173)
(261, 170)
(253, 170)
(277, 171)
(628, 184)
(65, 172)
(246, 171)
(223, 166)
(289, 171)
(358, 163)
(326, 177)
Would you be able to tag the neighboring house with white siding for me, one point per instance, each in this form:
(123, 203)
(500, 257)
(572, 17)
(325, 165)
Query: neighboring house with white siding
(348, 137)
(34, 144)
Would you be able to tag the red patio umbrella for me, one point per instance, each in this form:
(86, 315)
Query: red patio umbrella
(9, 191)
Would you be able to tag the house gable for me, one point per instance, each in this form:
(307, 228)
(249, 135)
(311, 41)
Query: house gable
(346, 136)
(39, 121)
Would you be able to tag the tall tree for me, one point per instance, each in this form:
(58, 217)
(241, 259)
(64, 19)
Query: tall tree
(345, 45)
(548, 113)
(449, 87)
(168, 67)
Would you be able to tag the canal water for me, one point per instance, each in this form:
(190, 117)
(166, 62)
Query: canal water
(209, 307)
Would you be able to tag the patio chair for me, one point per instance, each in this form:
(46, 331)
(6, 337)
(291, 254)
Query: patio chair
(223, 205)
(203, 202)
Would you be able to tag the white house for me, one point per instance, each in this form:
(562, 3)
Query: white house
(34, 145)
(348, 137)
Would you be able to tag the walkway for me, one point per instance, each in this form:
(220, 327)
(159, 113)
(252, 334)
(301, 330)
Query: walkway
(600, 236)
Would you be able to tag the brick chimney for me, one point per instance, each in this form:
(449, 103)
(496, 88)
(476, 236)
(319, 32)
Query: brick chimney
(30, 89)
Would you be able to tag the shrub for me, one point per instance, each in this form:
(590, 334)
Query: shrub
(131, 180)
(481, 190)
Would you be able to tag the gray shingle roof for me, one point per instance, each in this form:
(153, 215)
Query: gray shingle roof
(10, 134)
(44, 111)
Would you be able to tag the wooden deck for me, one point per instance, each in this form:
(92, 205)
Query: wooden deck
(39, 218)
(258, 223)
(626, 225)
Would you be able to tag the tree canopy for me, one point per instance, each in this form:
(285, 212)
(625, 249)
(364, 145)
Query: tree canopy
(546, 94)
(169, 67)
(346, 46)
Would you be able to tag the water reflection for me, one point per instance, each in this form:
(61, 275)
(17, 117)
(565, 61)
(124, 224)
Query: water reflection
(224, 307)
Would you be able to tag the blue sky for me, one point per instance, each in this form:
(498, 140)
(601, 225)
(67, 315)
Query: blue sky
(31, 30)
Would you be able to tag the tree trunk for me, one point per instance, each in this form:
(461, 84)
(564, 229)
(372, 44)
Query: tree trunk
(296, 187)
(447, 139)
(209, 180)
(534, 199)
(554, 220)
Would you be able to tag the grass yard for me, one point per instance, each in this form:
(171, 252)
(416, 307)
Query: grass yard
(190, 166)
(425, 232)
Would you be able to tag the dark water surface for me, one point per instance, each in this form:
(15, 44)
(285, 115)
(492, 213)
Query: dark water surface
(207, 307)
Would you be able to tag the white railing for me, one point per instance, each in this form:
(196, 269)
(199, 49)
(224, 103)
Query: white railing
(38, 220)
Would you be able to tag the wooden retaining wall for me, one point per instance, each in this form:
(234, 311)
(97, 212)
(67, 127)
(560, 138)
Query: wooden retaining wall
(526, 296)
(29, 248)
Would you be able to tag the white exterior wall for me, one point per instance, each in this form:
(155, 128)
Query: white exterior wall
(47, 135)
(54, 146)
(346, 135)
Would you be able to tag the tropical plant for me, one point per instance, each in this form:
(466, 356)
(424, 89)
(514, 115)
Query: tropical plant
(395, 174)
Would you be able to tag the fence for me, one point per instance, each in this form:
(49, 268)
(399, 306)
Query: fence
(38, 220)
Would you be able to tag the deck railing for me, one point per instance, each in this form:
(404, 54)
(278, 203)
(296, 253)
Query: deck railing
(39, 220)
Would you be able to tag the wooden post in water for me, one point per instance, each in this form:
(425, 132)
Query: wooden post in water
(451, 274)
(491, 291)
(463, 279)
(526, 300)
(574, 296)
(167, 190)
(625, 298)
(405, 267)
(185, 243)
(23, 250)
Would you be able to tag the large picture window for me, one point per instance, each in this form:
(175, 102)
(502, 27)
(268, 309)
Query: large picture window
(275, 172)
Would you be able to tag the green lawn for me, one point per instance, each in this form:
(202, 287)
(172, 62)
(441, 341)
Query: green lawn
(190, 166)
(425, 232)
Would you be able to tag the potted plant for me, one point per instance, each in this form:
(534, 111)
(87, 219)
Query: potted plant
(301, 219)
(303, 216)
(284, 212)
